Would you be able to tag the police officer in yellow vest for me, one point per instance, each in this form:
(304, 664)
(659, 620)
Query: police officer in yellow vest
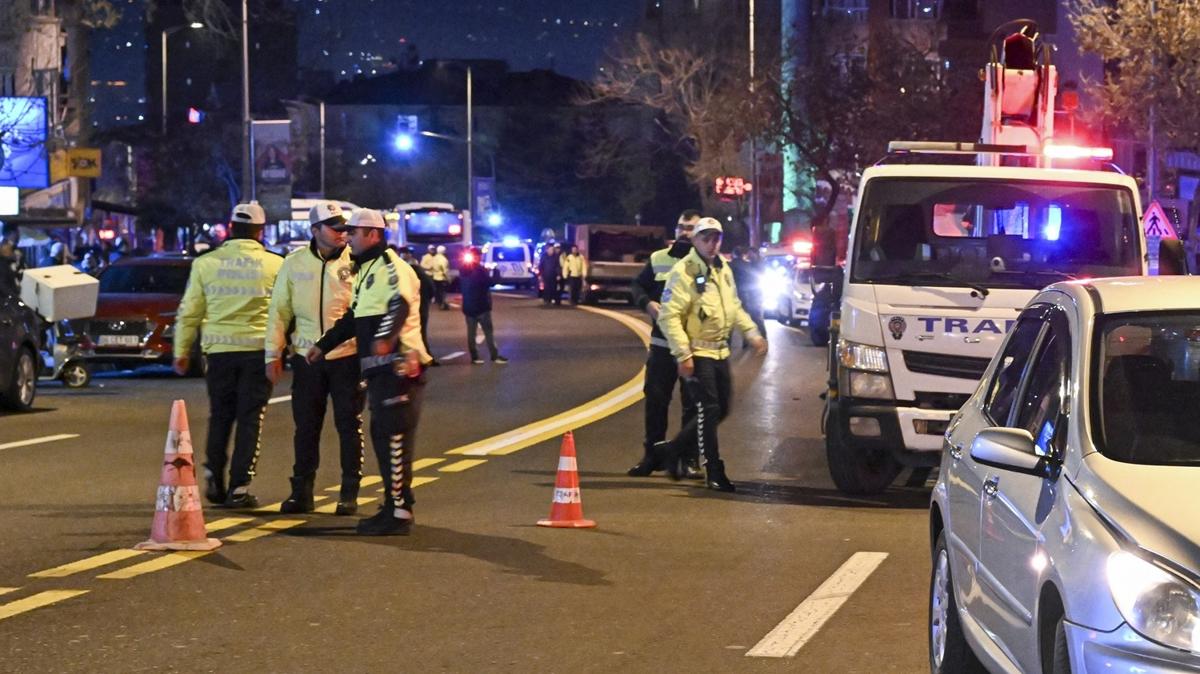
(438, 265)
(384, 317)
(313, 291)
(574, 269)
(661, 372)
(226, 302)
(700, 309)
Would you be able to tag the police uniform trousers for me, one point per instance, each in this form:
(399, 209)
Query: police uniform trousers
(395, 402)
(313, 384)
(439, 293)
(575, 285)
(662, 371)
(711, 393)
(238, 391)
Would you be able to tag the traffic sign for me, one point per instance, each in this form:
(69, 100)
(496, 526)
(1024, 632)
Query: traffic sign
(1156, 224)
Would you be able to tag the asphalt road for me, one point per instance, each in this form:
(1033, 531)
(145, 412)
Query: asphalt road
(674, 578)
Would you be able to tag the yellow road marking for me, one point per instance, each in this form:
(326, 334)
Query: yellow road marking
(460, 466)
(419, 480)
(87, 564)
(6, 590)
(37, 601)
(157, 564)
(274, 507)
(425, 463)
(264, 530)
(330, 508)
(227, 523)
(371, 479)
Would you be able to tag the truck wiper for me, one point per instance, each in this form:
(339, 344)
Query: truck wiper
(982, 290)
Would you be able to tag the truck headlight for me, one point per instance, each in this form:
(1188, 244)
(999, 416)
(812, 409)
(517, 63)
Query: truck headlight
(1156, 603)
(864, 357)
(871, 385)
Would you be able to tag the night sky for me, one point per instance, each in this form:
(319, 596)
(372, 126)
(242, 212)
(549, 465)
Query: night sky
(349, 37)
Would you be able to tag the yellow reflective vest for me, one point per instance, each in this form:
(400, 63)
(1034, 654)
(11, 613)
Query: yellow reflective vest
(381, 279)
(315, 293)
(226, 299)
(700, 309)
(438, 266)
(573, 266)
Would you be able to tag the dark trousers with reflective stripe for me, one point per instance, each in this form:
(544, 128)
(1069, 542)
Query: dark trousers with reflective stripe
(661, 374)
(711, 393)
(312, 387)
(395, 410)
(238, 391)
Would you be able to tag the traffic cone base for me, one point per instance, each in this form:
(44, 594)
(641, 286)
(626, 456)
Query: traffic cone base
(566, 511)
(178, 515)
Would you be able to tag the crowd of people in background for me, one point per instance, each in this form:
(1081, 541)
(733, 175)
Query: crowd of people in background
(561, 273)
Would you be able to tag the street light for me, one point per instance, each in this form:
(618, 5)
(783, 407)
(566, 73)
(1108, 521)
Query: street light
(404, 142)
(165, 34)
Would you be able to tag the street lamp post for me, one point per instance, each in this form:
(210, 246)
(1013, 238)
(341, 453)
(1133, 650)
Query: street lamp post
(469, 222)
(246, 189)
(163, 41)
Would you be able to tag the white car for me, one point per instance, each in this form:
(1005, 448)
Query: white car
(1065, 525)
(510, 263)
(796, 301)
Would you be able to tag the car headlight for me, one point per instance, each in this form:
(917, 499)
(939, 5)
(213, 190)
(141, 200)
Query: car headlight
(865, 357)
(871, 385)
(1156, 603)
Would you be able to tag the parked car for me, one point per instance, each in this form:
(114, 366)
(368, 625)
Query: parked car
(510, 263)
(135, 316)
(1064, 524)
(796, 300)
(19, 330)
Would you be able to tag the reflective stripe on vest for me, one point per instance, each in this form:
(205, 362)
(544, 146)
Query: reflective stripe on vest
(661, 263)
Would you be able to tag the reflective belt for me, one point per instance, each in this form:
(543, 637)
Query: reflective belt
(376, 361)
(714, 346)
(230, 340)
(659, 341)
(303, 342)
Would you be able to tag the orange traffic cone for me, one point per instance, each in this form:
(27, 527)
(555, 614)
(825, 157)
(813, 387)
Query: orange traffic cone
(567, 509)
(178, 519)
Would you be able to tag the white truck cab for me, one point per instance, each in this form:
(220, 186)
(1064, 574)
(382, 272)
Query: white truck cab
(941, 260)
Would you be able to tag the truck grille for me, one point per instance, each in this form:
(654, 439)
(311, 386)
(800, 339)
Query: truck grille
(944, 365)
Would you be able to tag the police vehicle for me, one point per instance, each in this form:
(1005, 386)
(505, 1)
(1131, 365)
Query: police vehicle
(942, 257)
(510, 262)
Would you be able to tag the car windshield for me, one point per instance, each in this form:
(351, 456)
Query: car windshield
(144, 278)
(1014, 234)
(508, 254)
(1147, 398)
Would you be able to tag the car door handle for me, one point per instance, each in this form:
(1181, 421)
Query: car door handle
(956, 451)
(991, 487)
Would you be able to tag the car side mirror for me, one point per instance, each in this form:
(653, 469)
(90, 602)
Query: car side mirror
(1008, 449)
(1172, 260)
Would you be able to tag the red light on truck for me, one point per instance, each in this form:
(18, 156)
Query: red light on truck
(802, 247)
(1077, 152)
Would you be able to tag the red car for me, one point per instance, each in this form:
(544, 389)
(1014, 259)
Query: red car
(135, 315)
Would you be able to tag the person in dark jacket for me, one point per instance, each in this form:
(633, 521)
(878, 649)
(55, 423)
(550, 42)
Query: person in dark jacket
(747, 270)
(550, 269)
(428, 290)
(661, 369)
(476, 285)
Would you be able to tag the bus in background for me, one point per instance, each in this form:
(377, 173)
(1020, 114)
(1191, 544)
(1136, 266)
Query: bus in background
(287, 235)
(424, 224)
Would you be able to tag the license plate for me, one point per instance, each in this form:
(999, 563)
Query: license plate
(120, 340)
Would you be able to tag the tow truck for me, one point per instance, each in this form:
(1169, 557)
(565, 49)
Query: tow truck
(944, 254)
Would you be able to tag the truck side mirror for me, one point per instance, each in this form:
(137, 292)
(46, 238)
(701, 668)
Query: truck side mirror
(1172, 260)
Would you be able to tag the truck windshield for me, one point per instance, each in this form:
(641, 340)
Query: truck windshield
(1147, 388)
(1007, 234)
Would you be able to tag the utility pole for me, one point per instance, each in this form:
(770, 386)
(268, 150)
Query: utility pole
(755, 213)
(469, 224)
(247, 190)
(1152, 151)
(322, 113)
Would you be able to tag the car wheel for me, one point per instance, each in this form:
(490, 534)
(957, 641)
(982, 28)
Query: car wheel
(783, 313)
(23, 385)
(948, 647)
(75, 374)
(857, 469)
(1061, 660)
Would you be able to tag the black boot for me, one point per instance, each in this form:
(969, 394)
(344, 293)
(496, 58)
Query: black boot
(691, 469)
(301, 500)
(240, 498)
(384, 523)
(717, 478)
(646, 466)
(667, 455)
(214, 487)
(348, 499)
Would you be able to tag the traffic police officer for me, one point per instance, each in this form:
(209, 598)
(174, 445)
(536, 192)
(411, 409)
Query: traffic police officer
(227, 295)
(574, 268)
(661, 372)
(313, 290)
(700, 308)
(384, 316)
(438, 266)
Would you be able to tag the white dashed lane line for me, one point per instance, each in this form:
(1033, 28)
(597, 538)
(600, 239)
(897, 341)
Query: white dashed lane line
(38, 441)
(806, 620)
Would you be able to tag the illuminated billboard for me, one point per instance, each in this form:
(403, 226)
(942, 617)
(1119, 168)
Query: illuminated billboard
(24, 161)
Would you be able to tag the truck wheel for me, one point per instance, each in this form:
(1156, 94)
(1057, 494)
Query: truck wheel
(23, 384)
(856, 469)
(948, 647)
